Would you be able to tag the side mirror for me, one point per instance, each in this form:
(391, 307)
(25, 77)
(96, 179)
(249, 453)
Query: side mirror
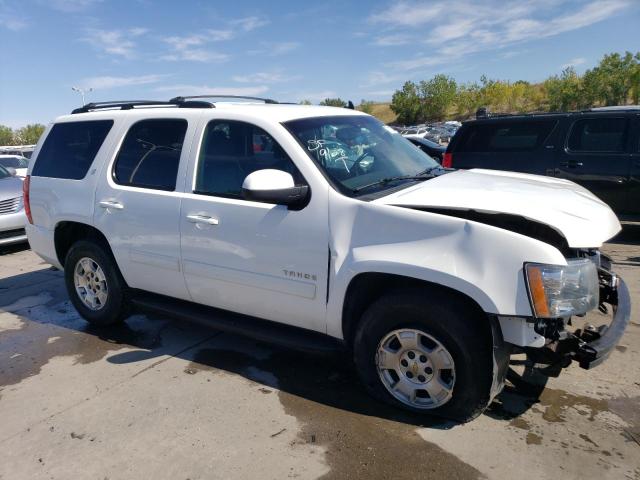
(274, 186)
(12, 171)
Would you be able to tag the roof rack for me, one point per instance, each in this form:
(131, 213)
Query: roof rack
(130, 104)
(615, 108)
(483, 113)
(242, 97)
(180, 102)
(527, 114)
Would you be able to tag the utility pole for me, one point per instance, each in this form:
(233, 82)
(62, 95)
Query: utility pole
(82, 91)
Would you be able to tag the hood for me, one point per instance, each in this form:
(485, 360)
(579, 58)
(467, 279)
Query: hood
(10, 187)
(579, 216)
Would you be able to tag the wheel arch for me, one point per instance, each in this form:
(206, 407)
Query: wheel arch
(66, 233)
(365, 288)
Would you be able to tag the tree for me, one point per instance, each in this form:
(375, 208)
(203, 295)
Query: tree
(495, 94)
(613, 80)
(468, 99)
(437, 96)
(305, 102)
(565, 92)
(29, 135)
(635, 81)
(406, 104)
(6, 135)
(334, 102)
(366, 106)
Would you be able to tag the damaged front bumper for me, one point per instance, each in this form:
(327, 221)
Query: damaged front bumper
(589, 346)
(593, 345)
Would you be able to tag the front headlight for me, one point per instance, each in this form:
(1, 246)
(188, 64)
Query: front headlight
(562, 290)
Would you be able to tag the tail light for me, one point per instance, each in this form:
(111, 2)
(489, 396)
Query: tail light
(25, 197)
(447, 160)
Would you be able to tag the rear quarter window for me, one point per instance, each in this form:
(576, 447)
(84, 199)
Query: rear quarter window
(70, 148)
(599, 135)
(505, 136)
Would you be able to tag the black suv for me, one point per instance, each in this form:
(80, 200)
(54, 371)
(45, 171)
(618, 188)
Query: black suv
(597, 148)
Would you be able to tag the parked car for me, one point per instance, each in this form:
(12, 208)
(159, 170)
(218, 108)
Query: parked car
(598, 149)
(433, 149)
(16, 162)
(430, 279)
(12, 215)
(439, 134)
(20, 150)
(423, 132)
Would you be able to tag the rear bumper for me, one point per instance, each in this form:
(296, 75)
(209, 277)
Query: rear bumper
(592, 353)
(42, 242)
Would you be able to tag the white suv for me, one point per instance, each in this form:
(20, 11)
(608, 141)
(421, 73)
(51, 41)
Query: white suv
(321, 228)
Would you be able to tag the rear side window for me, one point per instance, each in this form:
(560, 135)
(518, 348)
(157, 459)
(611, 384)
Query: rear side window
(70, 148)
(599, 135)
(505, 136)
(150, 154)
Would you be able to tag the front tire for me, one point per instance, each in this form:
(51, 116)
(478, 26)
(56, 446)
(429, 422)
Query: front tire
(426, 352)
(94, 283)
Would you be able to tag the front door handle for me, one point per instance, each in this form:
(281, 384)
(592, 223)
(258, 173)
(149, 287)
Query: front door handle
(571, 164)
(193, 218)
(111, 204)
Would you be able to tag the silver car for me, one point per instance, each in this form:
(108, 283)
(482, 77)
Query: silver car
(12, 216)
(17, 162)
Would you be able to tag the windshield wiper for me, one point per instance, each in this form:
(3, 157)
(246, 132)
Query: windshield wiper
(383, 181)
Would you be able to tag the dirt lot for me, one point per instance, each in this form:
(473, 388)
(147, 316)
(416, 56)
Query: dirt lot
(157, 398)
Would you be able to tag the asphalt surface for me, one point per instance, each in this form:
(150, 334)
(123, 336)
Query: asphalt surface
(159, 398)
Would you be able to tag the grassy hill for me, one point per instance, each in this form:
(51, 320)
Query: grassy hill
(383, 112)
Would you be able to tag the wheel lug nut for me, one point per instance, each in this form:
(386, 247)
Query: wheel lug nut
(409, 375)
(411, 355)
(423, 359)
(428, 370)
(421, 378)
(404, 363)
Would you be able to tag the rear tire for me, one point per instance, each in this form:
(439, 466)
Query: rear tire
(94, 283)
(427, 352)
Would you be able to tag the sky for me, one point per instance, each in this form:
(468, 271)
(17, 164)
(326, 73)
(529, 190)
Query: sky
(288, 50)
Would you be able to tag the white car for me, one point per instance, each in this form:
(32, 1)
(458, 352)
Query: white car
(16, 162)
(322, 229)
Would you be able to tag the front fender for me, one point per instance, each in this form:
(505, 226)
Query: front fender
(481, 261)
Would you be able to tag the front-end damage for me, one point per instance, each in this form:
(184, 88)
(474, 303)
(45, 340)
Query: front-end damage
(552, 344)
(589, 345)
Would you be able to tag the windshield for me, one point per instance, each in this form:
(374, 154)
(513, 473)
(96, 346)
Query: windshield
(14, 162)
(357, 151)
(4, 173)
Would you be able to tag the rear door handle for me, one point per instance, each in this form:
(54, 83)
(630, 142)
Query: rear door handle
(193, 218)
(111, 204)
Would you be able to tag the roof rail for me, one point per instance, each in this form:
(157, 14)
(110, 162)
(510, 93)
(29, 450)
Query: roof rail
(527, 114)
(620, 108)
(615, 108)
(242, 97)
(130, 104)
